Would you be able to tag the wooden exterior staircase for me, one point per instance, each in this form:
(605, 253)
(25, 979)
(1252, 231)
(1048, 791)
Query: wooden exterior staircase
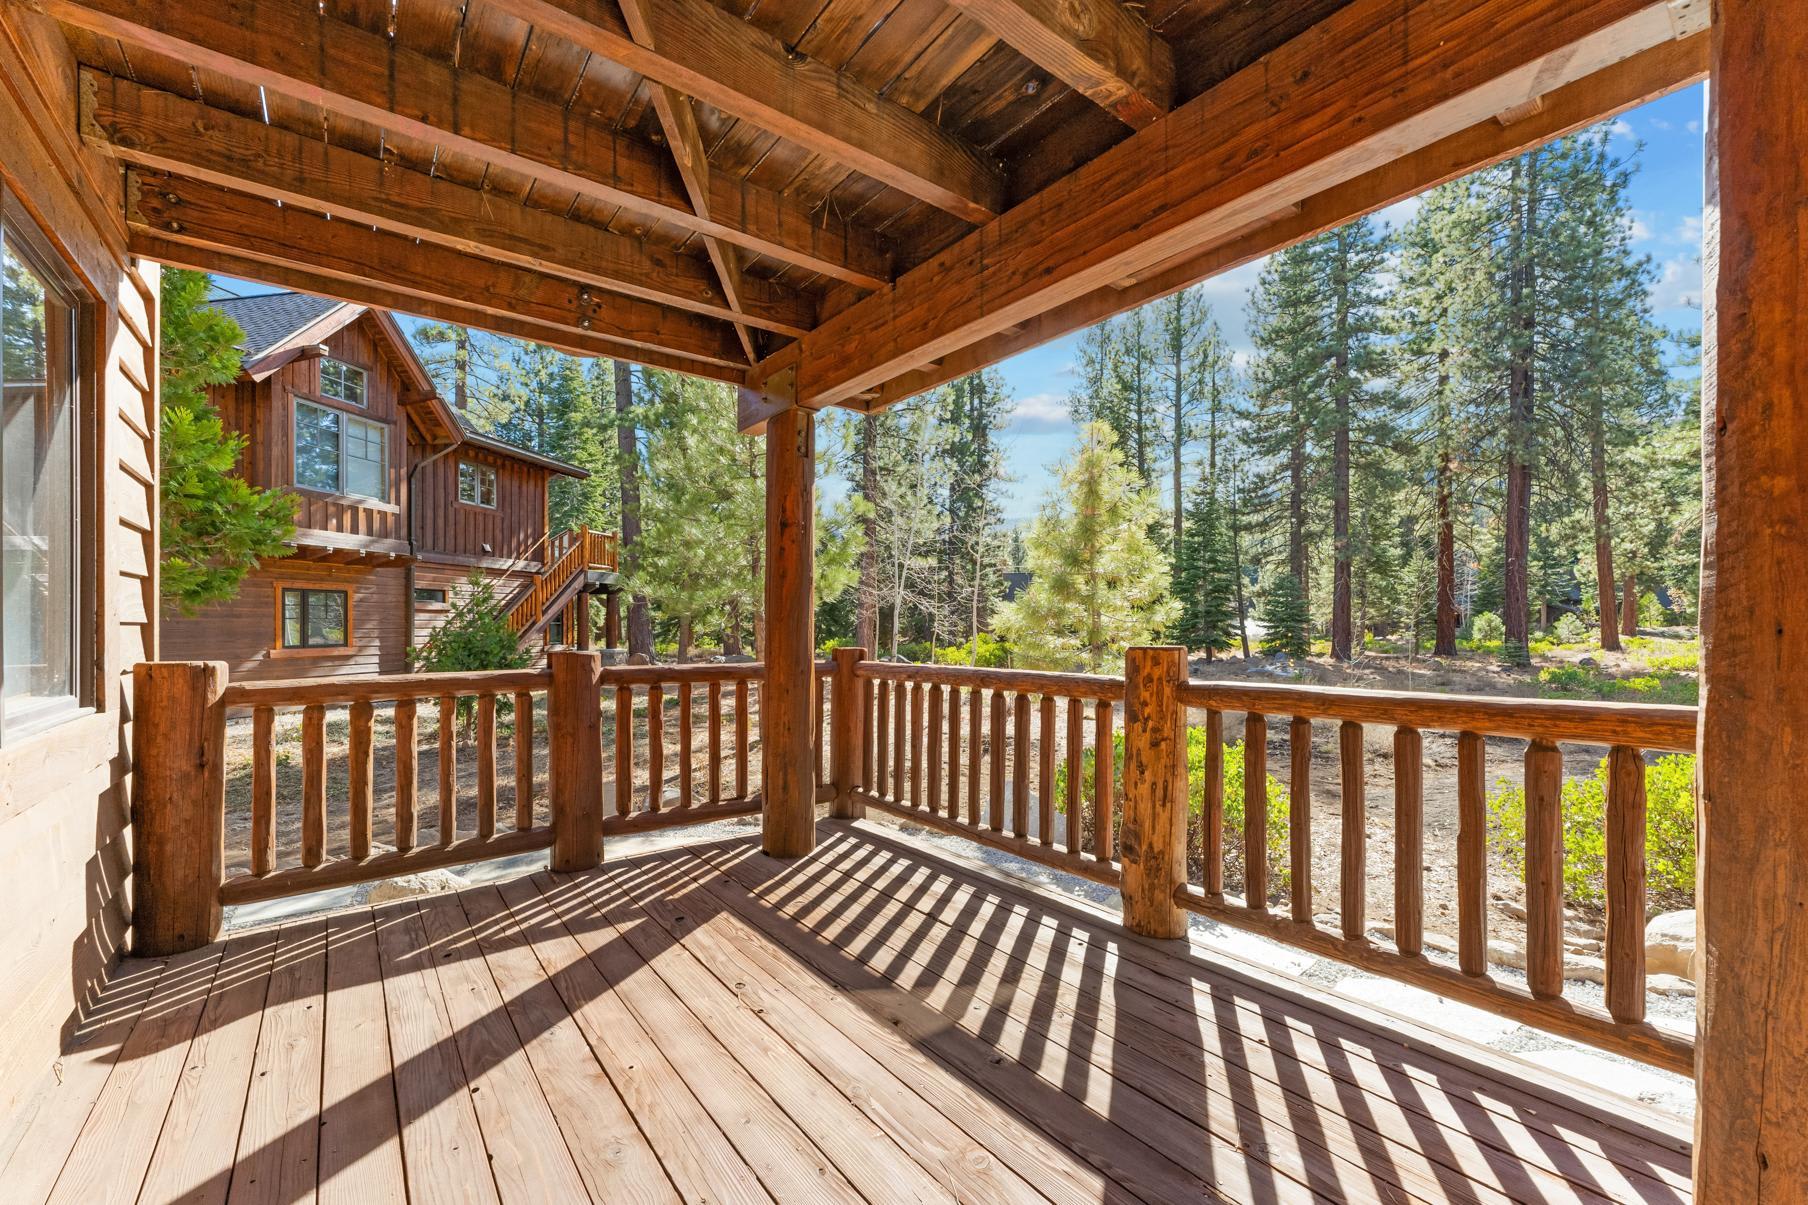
(571, 557)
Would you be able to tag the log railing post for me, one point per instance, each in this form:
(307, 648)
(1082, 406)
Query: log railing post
(845, 731)
(574, 725)
(178, 804)
(1153, 838)
(788, 767)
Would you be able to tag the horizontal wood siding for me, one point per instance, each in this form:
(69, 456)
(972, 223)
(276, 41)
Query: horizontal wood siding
(242, 632)
(443, 524)
(65, 802)
(455, 580)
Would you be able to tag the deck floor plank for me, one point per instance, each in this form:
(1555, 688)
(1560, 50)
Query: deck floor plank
(873, 1022)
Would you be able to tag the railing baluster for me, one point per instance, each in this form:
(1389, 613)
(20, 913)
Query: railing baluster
(1353, 884)
(685, 757)
(742, 716)
(263, 790)
(1255, 810)
(655, 747)
(819, 706)
(882, 758)
(954, 752)
(1076, 768)
(714, 710)
(358, 778)
(486, 765)
(1211, 821)
(407, 772)
(916, 745)
(1299, 818)
(313, 784)
(1409, 841)
(869, 773)
(998, 751)
(524, 761)
(975, 752)
(1104, 757)
(1045, 773)
(624, 750)
(1472, 853)
(933, 773)
(900, 737)
(1626, 884)
(1020, 766)
(1544, 868)
(448, 769)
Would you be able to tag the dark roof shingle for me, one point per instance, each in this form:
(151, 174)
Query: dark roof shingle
(269, 318)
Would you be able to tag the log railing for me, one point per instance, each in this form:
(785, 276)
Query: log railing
(568, 553)
(975, 752)
(337, 781)
(1009, 758)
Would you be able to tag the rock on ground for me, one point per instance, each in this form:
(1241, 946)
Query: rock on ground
(1670, 944)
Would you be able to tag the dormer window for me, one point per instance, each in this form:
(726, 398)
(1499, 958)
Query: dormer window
(477, 484)
(342, 382)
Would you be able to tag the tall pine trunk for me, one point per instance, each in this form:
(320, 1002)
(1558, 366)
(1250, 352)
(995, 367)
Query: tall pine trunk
(1604, 579)
(1296, 504)
(1521, 386)
(640, 619)
(866, 598)
(1236, 559)
(1445, 645)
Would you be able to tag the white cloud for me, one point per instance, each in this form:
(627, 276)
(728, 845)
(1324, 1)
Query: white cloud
(1688, 230)
(1678, 283)
(1621, 128)
(1041, 412)
(1400, 213)
(1637, 228)
(1658, 123)
(1694, 127)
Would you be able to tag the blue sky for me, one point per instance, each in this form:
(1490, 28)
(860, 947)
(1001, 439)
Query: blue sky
(1665, 136)
(1666, 193)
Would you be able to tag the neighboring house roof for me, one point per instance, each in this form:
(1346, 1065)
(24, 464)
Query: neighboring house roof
(279, 326)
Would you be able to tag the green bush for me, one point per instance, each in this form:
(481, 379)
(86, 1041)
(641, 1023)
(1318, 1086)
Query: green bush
(1569, 629)
(994, 653)
(1487, 628)
(475, 635)
(1669, 832)
(1651, 613)
(1278, 804)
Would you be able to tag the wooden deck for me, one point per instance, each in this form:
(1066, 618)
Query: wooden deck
(870, 1023)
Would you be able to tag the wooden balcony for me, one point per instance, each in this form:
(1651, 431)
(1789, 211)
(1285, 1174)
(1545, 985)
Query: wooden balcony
(870, 1022)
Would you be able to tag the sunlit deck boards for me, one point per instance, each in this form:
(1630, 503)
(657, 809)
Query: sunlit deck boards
(868, 1023)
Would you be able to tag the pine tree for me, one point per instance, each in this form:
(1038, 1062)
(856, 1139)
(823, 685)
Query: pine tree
(971, 412)
(1284, 618)
(214, 527)
(1098, 582)
(1205, 574)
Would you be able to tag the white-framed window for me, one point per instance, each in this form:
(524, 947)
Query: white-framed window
(476, 484)
(316, 619)
(40, 537)
(342, 382)
(340, 454)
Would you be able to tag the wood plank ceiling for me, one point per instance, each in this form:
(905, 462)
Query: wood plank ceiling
(707, 185)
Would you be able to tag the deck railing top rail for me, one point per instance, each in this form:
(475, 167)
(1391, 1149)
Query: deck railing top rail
(1024, 681)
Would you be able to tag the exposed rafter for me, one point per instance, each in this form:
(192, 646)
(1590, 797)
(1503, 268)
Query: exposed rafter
(1376, 81)
(718, 58)
(1597, 97)
(289, 47)
(160, 130)
(1097, 47)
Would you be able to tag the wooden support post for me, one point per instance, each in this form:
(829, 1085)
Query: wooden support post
(178, 804)
(1751, 1123)
(845, 731)
(788, 778)
(612, 620)
(580, 614)
(574, 722)
(1153, 837)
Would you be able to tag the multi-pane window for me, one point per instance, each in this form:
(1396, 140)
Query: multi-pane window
(39, 591)
(340, 454)
(342, 382)
(476, 484)
(315, 619)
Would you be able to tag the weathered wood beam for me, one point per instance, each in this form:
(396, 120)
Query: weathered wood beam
(1375, 82)
(678, 119)
(1597, 97)
(1751, 1126)
(787, 739)
(1097, 47)
(292, 48)
(707, 53)
(160, 130)
(246, 236)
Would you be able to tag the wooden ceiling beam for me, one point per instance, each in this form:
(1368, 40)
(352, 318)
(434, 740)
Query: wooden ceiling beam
(1374, 82)
(160, 130)
(148, 244)
(1097, 47)
(714, 56)
(1598, 97)
(291, 48)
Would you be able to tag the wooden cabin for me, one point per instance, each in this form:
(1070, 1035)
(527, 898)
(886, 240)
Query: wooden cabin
(833, 204)
(401, 501)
